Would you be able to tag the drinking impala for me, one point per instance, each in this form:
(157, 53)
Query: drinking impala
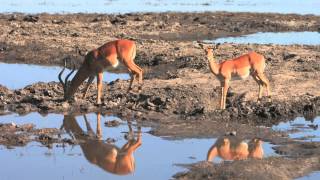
(99, 59)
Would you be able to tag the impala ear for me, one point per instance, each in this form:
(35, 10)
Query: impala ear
(202, 46)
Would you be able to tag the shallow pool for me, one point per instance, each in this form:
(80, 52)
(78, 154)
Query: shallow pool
(20, 75)
(156, 158)
(283, 38)
(312, 176)
(301, 129)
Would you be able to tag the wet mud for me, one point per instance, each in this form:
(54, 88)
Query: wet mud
(180, 97)
(13, 135)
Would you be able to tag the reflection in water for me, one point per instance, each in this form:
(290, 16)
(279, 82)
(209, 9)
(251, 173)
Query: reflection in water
(75, 162)
(283, 38)
(109, 157)
(230, 147)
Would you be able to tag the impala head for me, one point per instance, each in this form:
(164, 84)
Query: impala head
(208, 48)
(256, 141)
(66, 83)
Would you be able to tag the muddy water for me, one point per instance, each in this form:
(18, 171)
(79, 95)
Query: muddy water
(123, 6)
(156, 158)
(283, 38)
(28, 74)
(300, 129)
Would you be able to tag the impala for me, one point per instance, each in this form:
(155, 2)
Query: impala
(107, 156)
(241, 67)
(233, 148)
(99, 59)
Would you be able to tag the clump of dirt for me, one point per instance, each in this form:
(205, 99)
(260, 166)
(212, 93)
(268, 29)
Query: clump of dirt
(12, 135)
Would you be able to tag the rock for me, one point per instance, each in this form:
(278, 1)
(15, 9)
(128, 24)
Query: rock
(65, 105)
(118, 21)
(13, 17)
(287, 56)
(110, 140)
(97, 19)
(45, 137)
(138, 114)
(112, 123)
(58, 21)
(31, 18)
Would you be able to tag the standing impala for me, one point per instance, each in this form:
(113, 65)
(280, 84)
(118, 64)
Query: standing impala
(96, 61)
(241, 67)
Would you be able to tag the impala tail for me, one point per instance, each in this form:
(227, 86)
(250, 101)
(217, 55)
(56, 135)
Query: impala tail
(65, 84)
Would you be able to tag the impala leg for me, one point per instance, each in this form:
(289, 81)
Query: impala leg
(265, 81)
(131, 80)
(99, 130)
(99, 87)
(89, 129)
(221, 99)
(224, 93)
(260, 83)
(91, 78)
(140, 75)
(136, 72)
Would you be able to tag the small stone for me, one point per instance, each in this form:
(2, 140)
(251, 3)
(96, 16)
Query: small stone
(31, 18)
(139, 114)
(113, 123)
(65, 105)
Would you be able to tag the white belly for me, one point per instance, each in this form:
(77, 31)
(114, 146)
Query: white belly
(238, 77)
(115, 64)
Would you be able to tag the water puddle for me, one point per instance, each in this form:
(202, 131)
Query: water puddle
(300, 129)
(283, 38)
(124, 6)
(314, 175)
(104, 152)
(29, 74)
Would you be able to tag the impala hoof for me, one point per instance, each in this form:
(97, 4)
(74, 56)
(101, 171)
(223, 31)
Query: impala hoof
(130, 90)
(98, 103)
(269, 98)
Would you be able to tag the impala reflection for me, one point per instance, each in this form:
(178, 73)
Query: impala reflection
(231, 147)
(107, 156)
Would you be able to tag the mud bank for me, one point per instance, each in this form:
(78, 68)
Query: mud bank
(184, 88)
(159, 100)
(55, 37)
(268, 168)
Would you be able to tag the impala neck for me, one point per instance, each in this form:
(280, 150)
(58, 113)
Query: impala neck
(82, 74)
(214, 67)
(212, 153)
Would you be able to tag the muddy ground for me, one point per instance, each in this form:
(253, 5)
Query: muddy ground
(180, 96)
